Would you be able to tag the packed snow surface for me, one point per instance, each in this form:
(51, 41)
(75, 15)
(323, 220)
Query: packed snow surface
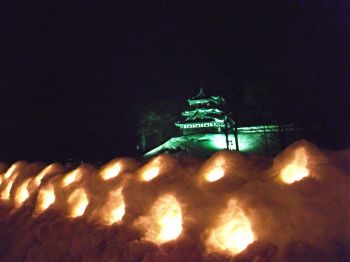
(230, 207)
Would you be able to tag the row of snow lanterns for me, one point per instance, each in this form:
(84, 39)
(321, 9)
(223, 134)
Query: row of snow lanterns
(164, 221)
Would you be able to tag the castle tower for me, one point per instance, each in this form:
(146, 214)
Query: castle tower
(205, 116)
(207, 128)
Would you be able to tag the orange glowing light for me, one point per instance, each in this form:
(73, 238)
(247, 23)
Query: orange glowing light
(152, 169)
(111, 171)
(9, 178)
(117, 213)
(214, 174)
(42, 174)
(10, 171)
(296, 170)
(21, 193)
(46, 197)
(78, 202)
(164, 222)
(114, 210)
(71, 177)
(233, 233)
(150, 173)
(5, 193)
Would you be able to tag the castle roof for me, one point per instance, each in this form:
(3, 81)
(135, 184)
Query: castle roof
(201, 98)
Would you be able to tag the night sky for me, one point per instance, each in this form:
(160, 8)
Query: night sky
(75, 74)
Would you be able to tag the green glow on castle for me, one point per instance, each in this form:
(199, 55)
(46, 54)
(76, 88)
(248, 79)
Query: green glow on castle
(206, 128)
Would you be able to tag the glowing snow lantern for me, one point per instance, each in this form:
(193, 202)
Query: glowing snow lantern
(116, 214)
(42, 174)
(9, 178)
(22, 193)
(10, 171)
(296, 170)
(165, 220)
(150, 173)
(71, 177)
(111, 171)
(78, 202)
(5, 194)
(152, 169)
(233, 233)
(114, 210)
(46, 197)
(214, 174)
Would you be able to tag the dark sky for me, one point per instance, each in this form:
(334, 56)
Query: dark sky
(74, 74)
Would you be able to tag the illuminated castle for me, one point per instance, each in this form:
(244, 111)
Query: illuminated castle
(205, 115)
(206, 128)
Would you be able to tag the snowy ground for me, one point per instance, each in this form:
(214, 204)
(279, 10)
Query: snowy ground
(230, 207)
